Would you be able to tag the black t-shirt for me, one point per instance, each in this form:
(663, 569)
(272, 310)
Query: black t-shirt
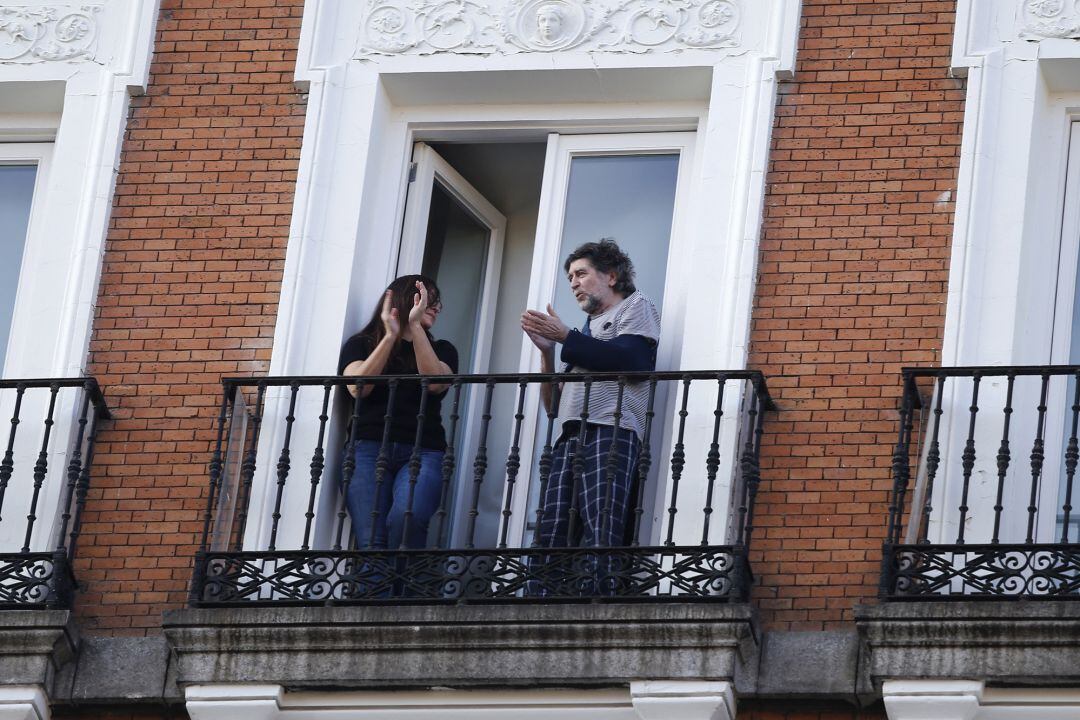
(406, 397)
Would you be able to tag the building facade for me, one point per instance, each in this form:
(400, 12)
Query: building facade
(859, 220)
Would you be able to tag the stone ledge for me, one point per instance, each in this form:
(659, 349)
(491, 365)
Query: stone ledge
(1013, 642)
(423, 646)
(34, 644)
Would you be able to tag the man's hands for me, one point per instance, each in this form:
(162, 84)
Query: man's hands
(389, 316)
(544, 329)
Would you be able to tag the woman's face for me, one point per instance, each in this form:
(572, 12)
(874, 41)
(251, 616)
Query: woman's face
(431, 314)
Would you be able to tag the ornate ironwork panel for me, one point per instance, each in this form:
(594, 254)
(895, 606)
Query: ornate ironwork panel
(694, 573)
(972, 572)
(29, 580)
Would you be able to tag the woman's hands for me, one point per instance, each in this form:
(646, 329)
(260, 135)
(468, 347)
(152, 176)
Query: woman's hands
(420, 306)
(389, 315)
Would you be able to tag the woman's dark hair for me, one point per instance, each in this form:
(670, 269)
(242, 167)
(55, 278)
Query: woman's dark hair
(606, 256)
(402, 292)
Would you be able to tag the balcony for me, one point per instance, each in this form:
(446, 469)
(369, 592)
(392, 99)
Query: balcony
(990, 514)
(41, 504)
(982, 552)
(283, 590)
(487, 424)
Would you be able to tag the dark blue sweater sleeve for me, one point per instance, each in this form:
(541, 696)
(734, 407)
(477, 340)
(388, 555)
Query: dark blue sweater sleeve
(623, 353)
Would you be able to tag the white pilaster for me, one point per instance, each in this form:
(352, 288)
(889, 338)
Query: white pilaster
(683, 700)
(932, 699)
(23, 702)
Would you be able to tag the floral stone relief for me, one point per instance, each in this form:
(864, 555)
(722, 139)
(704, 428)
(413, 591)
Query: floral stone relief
(43, 33)
(421, 27)
(1051, 19)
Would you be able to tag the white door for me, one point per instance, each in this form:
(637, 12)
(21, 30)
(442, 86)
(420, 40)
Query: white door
(625, 186)
(454, 235)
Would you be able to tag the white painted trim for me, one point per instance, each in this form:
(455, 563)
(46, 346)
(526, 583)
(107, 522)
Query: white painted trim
(23, 702)
(931, 699)
(644, 700)
(683, 700)
(970, 700)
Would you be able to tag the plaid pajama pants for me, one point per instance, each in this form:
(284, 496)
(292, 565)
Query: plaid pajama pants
(591, 510)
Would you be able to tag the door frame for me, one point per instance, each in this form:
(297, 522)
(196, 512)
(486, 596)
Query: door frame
(546, 268)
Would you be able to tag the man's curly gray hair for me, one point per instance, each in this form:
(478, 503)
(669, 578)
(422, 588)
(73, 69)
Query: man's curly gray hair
(606, 256)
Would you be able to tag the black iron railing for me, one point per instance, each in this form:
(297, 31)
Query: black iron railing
(990, 511)
(707, 424)
(40, 504)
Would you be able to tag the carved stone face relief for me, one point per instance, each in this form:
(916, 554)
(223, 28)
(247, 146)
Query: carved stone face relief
(1051, 19)
(422, 27)
(41, 33)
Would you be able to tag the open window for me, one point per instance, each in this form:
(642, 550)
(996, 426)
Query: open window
(491, 222)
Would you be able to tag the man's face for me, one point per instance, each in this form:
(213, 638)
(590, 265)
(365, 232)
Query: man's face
(592, 289)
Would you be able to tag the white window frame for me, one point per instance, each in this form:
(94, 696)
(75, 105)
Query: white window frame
(96, 75)
(364, 112)
(1006, 254)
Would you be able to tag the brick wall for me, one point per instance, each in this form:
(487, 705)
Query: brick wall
(851, 286)
(189, 289)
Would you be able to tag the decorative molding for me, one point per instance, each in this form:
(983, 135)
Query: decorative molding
(1051, 19)
(43, 33)
(423, 27)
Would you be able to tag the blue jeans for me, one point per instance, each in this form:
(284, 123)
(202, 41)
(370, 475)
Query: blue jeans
(387, 514)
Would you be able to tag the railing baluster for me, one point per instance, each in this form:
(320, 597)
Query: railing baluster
(479, 465)
(968, 457)
(317, 465)
(908, 429)
(513, 462)
(7, 466)
(933, 460)
(41, 467)
(577, 464)
(609, 467)
(84, 486)
(1072, 455)
(644, 463)
(448, 467)
(1003, 457)
(348, 465)
(752, 460)
(901, 469)
(414, 465)
(1037, 457)
(382, 463)
(283, 464)
(247, 466)
(74, 469)
(546, 459)
(712, 460)
(678, 461)
(228, 395)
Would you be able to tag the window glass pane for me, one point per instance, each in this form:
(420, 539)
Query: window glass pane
(629, 198)
(16, 192)
(455, 257)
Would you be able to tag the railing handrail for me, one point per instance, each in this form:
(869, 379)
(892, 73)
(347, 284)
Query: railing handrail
(88, 383)
(990, 370)
(754, 376)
